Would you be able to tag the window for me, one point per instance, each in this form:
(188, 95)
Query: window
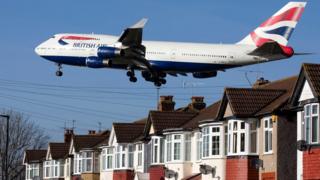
(77, 168)
(187, 147)
(140, 153)
(130, 156)
(103, 159)
(120, 157)
(47, 169)
(123, 156)
(268, 135)
(215, 141)
(176, 147)
(169, 147)
(199, 146)
(225, 140)
(205, 136)
(86, 161)
(32, 171)
(109, 158)
(118, 152)
(311, 123)
(240, 133)
(157, 150)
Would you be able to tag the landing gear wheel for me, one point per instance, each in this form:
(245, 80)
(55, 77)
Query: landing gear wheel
(163, 81)
(59, 73)
(130, 74)
(133, 79)
(157, 83)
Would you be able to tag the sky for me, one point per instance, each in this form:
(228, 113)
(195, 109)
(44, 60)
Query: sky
(89, 97)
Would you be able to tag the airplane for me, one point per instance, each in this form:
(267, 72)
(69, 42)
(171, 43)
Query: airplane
(157, 59)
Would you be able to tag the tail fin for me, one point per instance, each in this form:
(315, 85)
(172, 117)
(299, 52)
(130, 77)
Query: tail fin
(277, 28)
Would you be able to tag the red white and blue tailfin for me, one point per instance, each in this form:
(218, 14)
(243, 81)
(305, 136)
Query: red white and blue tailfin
(277, 28)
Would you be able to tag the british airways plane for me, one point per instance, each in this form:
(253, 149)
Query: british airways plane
(156, 59)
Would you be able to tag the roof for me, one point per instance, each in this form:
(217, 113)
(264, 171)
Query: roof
(161, 120)
(246, 102)
(312, 73)
(209, 113)
(286, 84)
(89, 141)
(128, 132)
(59, 150)
(35, 155)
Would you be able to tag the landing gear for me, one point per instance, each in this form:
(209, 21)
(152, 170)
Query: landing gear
(59, 73)
(131, 75)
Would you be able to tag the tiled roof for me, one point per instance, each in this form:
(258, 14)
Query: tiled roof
(89, 141)
(247, 101)
(128, 132)
(209, 113)
(312, 73)
(35, 155)
(286, 84)
(59, 150)
(165, 120)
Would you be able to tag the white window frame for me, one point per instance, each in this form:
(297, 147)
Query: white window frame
(235, 128)
(207, 140)
(140, 155)
(130, 156)
(87, 156)
(267, 129)
(199, 146)
(77, 166)
(109, 158)
(158, 150)
(308, 117)
(47, 165)
(32, 170)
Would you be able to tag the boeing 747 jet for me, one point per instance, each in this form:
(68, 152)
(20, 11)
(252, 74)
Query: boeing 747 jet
(157, 59)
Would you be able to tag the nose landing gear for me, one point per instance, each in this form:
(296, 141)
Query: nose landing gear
(59, 73)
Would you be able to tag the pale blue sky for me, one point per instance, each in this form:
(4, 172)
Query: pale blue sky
(28, 83)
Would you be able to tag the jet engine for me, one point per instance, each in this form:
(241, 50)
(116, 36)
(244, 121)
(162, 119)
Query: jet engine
(202, 75)
(96, 62)
(287, 51)
(105, 52)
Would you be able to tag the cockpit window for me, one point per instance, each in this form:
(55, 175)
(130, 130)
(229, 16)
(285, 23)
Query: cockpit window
(53, 37)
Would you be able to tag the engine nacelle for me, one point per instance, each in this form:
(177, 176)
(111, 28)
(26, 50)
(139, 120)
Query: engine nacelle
(96, 62)
(105, 52)
(202, 75)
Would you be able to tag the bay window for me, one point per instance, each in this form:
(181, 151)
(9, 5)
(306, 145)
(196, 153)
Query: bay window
(130, 156)
(211, 141)
(86, 161)
(169, 147)
(103, 159)
(140, 154)
(187, 147)
(109, 158)
(77, 166)
(178, 147)
(240, 133)
(55, 168)
(268, 126)
(47, 169)
(311, 123)
(32, 171)
(157, 150)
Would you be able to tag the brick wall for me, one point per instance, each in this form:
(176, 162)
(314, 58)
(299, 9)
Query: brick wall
(123, 175)
(156, 172)
(268, 176)
(311, 164)
(76, 177)
(239, 167)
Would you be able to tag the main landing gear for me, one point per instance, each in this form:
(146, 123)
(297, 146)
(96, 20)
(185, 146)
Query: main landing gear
(131, 75)
(59, 73)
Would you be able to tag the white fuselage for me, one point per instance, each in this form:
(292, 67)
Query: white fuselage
(163, 56)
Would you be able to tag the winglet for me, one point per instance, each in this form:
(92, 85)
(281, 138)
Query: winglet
(140, 24)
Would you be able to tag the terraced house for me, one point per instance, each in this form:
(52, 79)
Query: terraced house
(268, 131)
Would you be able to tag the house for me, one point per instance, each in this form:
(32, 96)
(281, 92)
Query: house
(83, 161)
(305, 102)
(33, 161)
(259, 133)
(125, 154)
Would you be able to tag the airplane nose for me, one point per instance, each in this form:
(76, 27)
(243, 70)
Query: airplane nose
(37, 50)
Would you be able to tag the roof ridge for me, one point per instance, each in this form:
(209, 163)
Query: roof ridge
(276, 81)
(255, 89)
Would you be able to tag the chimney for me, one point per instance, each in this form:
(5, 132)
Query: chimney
(166, 103)
(197, 103)
(261, 81)
(91, 132)
(68, 133)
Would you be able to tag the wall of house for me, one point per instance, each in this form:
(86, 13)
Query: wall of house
(311, 165)
(299, 153)
(90, 176)
(106, 175)
(123, 175)
(287, 147)
(219, 164)
(156, 172)
(269, 159)
(183, 169)
(240, 168)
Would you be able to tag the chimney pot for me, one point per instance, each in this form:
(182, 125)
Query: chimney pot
(166, 103)
(197, 103)
(90, 132)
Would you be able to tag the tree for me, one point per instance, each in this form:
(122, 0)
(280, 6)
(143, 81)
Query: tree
(23, 134)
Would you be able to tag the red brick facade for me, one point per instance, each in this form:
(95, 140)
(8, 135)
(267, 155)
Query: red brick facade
(311, 164)
(268, 176)
(156, 172)
(240, 168)
(123, 175)
(76, 177)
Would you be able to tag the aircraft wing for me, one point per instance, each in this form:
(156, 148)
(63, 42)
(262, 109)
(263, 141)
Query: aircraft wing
(267, 49)
(132, 36)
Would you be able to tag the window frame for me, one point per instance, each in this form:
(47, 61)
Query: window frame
(267, 148)
(158, 150)
(209, 133)
(309, 124)
(87, 156)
